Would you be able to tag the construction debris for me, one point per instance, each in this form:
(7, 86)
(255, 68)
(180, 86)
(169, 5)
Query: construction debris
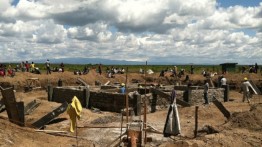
(50, 116)
(221, 107)
(32, 83)
(30, 107)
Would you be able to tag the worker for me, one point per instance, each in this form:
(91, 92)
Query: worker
(122, 88)
(223, 81)
(245, 88)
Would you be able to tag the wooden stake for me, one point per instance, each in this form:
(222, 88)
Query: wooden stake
(145, 110)
(127, 105)
(196, 122)
(76, 134)
(121, 126)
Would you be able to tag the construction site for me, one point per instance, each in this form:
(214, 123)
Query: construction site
(33, 111)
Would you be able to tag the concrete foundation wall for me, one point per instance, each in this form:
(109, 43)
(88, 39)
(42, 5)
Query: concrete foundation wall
(114, 102)
(197, 98)
(62, 94)
(105, 101)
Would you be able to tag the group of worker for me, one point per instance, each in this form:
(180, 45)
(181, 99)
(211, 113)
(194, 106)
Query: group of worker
(245, 89)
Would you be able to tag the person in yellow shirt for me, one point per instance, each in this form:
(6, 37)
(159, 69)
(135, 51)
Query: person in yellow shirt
(32, 67)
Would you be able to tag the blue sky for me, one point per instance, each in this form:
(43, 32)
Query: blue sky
(245, 3)
(173, 31)
(15, 2)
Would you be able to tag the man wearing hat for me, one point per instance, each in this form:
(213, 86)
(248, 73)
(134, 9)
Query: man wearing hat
(122, 89)
(245, 88)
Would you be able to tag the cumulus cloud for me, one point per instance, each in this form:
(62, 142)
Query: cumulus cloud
(97, 32)
(174, 31)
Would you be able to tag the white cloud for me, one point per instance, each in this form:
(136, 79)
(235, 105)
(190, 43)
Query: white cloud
(166, 30)
(4, 5)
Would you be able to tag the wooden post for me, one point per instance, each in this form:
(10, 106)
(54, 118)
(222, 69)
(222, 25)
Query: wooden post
(50, 92)
(153, 103)
(121, 126)
(145, 110)
(226, 93)
(137, 104)
(86, 96)
(127, 105)
(187, 95)
(76, 134)
(196, 122)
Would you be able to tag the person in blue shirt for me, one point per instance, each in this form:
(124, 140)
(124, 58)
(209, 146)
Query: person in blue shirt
(123, 88)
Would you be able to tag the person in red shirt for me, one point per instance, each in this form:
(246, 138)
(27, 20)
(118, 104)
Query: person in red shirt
(27, 66)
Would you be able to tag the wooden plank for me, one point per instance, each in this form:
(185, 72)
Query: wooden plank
(2, 105)
(107, 83)
(82, 81)
(50, 116)
(30, 107)
(221, 107)
(167, 96)
(254, 88)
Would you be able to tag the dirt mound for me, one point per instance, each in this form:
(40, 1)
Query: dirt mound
(251, 119)
(69, 79)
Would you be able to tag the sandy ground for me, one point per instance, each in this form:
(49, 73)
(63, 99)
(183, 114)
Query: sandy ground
(244, 128)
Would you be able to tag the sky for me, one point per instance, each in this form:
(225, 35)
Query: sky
(166, 31)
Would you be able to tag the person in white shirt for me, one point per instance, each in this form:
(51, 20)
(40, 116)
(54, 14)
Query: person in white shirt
(245, 88)
(223, 81)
